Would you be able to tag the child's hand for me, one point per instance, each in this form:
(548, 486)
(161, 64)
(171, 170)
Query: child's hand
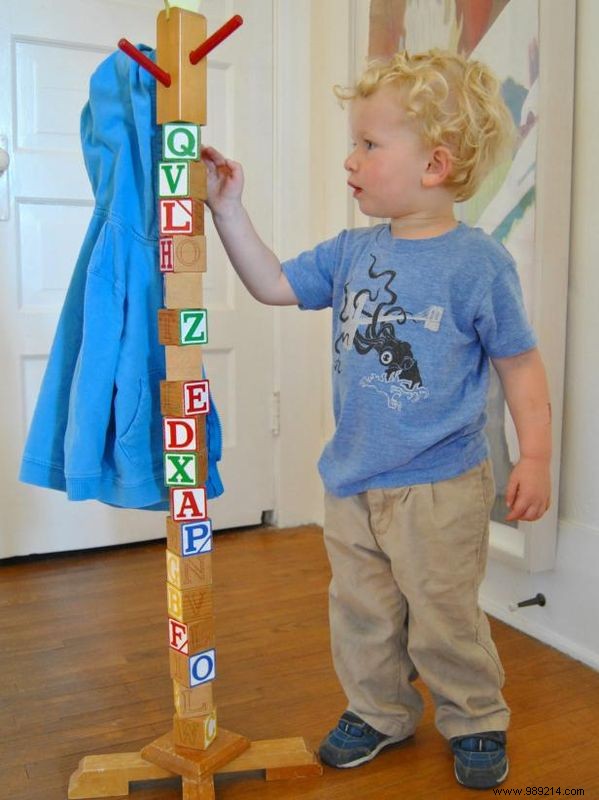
(528, 493)
(225, 181)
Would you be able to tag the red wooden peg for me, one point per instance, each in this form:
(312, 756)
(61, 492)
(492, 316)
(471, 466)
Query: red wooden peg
(217, 37)
(145, 62)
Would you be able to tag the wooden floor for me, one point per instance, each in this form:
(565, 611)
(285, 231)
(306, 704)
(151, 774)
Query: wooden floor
(84, 670)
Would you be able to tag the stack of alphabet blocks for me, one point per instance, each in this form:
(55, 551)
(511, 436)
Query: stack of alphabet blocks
(185, 398)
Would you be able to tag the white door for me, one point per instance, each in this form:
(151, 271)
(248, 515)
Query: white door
(47, 54)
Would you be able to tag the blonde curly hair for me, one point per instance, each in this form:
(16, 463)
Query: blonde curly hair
(453, 102)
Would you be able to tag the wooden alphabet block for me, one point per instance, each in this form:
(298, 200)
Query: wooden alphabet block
(184, 398)
(195, 733)
(189, 605)
(189, 538)
(188, 505)
(183, 291)
(183, 179)
(181, 215)
(184, 433)
(181, 141)
(183, 326)
(193, 702)
(183, 254)
(176, 36)
(180, 469)
(193, 670)
(185, 572)
(183, 363)
(190, 637)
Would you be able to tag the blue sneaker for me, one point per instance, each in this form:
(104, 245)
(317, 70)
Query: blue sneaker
(480, 760)
(353, 742)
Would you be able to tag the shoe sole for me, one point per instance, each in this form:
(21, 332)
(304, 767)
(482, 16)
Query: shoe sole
(356, 762)
(486, 786)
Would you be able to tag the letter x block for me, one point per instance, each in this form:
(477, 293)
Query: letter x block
(183, 326)
(195, 733)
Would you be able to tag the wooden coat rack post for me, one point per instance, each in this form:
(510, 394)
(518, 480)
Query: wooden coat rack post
(196, 747)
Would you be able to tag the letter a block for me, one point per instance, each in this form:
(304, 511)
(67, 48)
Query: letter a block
(183, 326)
(189, 538)
(188, 505)
(184, 398)
(193, 670)
(190, 637)
(195, 733)
(193, 702)
(183, 254)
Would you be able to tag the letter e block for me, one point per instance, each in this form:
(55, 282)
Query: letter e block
(194, 733)
(184, 398)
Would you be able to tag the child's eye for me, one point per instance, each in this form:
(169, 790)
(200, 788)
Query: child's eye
(368, 144)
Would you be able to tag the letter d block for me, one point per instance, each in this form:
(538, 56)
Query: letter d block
(193, 702)
(194, 733)
(189, 539)
(194, 670)
(185, 573)
(184, 434)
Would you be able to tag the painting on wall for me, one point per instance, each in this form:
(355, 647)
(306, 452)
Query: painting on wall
(505, 35)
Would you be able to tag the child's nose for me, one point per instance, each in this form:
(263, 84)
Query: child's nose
(350, 162)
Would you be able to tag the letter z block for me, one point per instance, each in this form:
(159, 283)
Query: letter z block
(194, 733)
(183, 326)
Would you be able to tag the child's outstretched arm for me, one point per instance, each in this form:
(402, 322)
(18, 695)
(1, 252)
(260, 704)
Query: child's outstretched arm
(525, 387)
(256, 265)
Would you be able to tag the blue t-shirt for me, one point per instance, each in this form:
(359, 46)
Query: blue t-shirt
(414, 324)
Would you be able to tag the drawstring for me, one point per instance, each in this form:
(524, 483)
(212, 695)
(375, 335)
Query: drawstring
(168, 8)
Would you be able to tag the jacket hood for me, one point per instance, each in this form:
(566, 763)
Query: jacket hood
(121, 141)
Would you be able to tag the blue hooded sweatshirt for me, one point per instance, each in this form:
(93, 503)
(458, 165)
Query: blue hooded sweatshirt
(97, 428)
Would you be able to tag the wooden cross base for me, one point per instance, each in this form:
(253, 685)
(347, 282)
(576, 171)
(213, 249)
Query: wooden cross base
(109, 775)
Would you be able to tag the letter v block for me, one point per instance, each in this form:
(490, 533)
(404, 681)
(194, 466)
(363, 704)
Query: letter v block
(182, 179)
(184, 398)
(183, 326)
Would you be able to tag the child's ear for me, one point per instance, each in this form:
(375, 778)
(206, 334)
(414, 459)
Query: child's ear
(438, 167)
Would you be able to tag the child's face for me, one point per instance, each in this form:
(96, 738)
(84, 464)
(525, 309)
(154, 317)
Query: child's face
(389, 158)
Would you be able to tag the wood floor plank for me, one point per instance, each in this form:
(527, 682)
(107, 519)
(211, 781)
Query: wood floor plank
(84, 665)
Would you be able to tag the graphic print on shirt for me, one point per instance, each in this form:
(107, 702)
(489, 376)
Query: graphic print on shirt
(368, 321)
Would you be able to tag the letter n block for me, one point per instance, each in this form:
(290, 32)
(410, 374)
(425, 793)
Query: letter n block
(184, 398)
(189, 538)
(194, 733)
(193, 702)
(187, 572)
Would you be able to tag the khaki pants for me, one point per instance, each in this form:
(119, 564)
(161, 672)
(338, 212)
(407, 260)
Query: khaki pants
(407, 564)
